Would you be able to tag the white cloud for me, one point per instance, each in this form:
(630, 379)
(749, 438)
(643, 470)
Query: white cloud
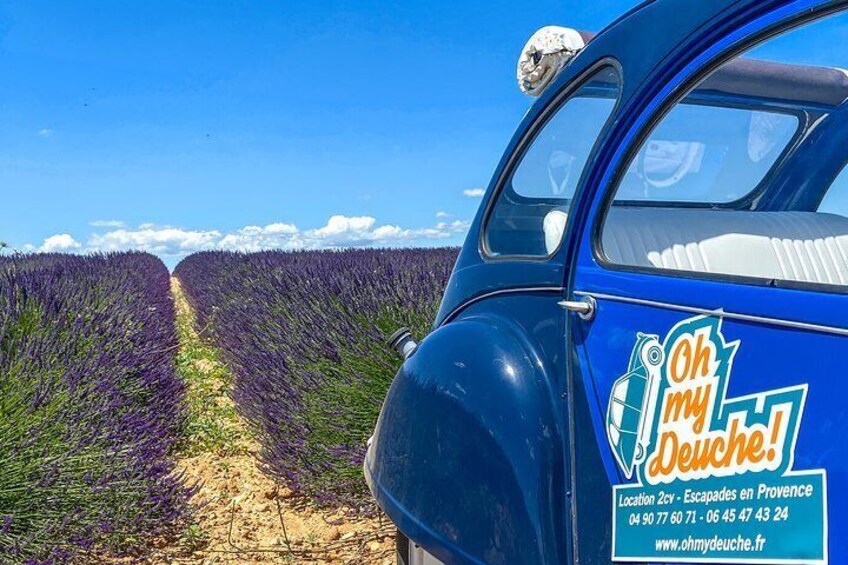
(441, 214)
(256, 238)
(474, 192)
(107, 224)
(166, 241)
(59, 243)
(341, 225)
(280, 228)
(339, 231)
(45, 132)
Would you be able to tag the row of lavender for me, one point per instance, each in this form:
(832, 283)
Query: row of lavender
(305, 335)
(90, 406)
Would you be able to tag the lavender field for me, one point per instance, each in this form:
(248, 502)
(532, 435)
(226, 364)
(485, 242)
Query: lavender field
(105, 406)
(305, 334)
(90, 407)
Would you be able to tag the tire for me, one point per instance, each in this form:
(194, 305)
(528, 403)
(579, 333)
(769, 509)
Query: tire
(408, 553)
(402, 548)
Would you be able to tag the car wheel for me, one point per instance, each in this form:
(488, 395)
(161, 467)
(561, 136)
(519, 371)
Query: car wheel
(410, 553)
(402, 548)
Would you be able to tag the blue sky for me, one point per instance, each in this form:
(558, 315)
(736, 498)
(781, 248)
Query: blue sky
(177, 125)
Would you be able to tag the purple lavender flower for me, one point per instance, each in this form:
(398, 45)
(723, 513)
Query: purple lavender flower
(90, 405)
(304, 334)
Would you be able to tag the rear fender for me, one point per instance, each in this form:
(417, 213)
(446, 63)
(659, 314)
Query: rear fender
(466, 457)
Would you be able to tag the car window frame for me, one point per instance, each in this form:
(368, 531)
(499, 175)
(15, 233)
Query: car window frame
(562, 97)
(635, 143)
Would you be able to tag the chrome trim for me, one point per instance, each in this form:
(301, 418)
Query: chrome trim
(517, 290)
(719, 312)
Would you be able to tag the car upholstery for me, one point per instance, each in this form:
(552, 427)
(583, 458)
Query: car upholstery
(795, 246)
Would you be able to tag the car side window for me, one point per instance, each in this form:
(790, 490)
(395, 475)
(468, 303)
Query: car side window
(737, 178)
(529, 216)
(835, 200)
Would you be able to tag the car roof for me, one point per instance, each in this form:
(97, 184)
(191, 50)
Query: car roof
(754, 78)
(798, 84)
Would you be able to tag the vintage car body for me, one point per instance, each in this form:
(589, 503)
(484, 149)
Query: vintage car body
(500, 439)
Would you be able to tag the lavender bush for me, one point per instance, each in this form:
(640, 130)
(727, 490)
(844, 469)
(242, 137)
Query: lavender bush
(89, 406)
(305, 335)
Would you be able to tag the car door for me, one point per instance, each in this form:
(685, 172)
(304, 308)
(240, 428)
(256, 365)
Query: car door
(709, 334)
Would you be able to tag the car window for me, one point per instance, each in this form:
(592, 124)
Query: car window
(737, 179)
(835, 200)
(707, 153)
(529, 215)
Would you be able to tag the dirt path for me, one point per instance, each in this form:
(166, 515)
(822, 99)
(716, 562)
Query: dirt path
(242, 515)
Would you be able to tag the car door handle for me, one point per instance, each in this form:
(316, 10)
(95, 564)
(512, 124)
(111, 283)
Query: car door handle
(585, 307)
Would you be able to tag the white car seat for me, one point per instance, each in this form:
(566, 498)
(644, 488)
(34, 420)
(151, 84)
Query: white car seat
(554, 226)
(796, 246)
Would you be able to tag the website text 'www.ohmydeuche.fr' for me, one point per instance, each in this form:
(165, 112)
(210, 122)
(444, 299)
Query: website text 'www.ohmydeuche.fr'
(716, 543)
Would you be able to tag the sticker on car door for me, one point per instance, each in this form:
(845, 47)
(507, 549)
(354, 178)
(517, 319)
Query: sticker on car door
(712, 478)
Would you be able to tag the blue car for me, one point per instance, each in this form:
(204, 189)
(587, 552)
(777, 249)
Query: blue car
(642, 353)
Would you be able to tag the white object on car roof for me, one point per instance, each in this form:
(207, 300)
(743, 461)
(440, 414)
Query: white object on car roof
(545, 55)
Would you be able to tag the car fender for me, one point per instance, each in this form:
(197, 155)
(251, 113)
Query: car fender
(467, 456)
